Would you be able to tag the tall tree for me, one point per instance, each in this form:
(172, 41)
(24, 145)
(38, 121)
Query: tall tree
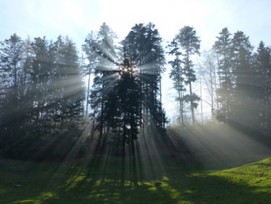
(189, 44)
(144, 58)
(11, 72)
(90, 51)
(42, 70)
(177, 75)
(223, 49)
(262, 83)
(101, 53)
(68, 79)
(243, 103)
(126, 91)
(143, 47)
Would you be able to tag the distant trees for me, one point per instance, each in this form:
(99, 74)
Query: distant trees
(243, 76)
(236, 78)
(42, 95)
(185, 44)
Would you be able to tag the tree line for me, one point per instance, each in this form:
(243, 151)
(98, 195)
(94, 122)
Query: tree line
(42, 95)
(45, 104)
(243, 93)
(238, 80)
(236, 75)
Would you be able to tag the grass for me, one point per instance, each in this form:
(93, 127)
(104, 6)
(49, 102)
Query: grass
(79, 183)
(250, 183)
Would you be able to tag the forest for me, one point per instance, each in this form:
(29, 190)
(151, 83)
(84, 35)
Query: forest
(55, 99)
(86, 123)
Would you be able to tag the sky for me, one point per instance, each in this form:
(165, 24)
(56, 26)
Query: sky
(76, 18)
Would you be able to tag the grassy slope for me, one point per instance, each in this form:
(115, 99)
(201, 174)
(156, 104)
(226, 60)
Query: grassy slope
(74, 183)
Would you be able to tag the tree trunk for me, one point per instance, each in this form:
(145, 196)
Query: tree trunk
(191, 104)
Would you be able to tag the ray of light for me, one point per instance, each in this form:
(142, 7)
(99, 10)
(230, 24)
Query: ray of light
(218, 145)
(106, 67)
(151, 161)
(107, 54)
(148, 68)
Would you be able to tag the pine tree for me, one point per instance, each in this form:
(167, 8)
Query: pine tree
(223, 49)
(262, 84)
(143, 47)
(67, 79)
(100, 50)
(177, 75)
(126, 88)
(243, 104)
(11, 94)
(189, 44)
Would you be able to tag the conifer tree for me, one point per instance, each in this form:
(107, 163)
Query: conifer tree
(223, 49)
(187, 44)
(243, 103)
(262, 86)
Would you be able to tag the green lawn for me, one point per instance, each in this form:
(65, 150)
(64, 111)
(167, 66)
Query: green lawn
(79, 183)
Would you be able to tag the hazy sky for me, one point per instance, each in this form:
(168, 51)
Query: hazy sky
(76, 18)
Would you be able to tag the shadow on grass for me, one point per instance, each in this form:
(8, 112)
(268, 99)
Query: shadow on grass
(77, 183)
(103, 183)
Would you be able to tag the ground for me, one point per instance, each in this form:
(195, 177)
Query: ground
(179, 182)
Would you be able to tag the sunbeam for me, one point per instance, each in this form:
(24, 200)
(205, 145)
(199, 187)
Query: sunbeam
(219, 146)
(107, 54)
